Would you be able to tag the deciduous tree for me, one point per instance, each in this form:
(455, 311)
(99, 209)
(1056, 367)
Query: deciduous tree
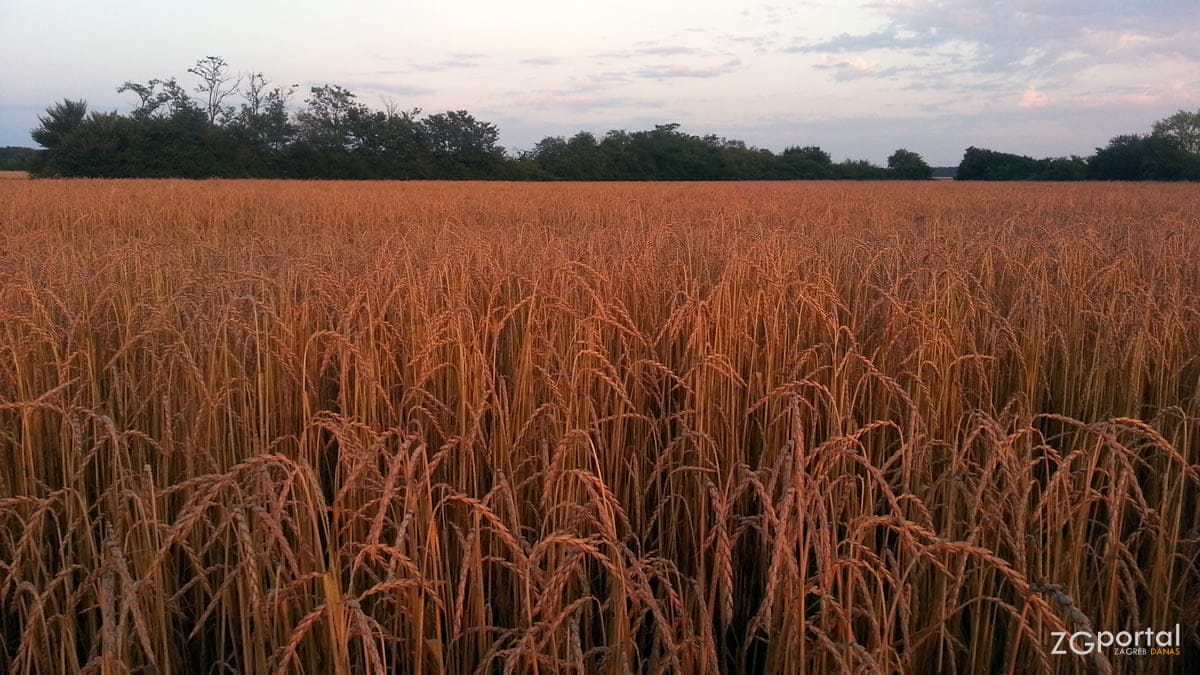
(1184, 127)
(217, 84)
(908, 165)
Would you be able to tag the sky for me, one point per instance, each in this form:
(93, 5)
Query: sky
(859, 79)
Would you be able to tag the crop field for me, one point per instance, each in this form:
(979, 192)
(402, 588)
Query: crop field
(549, 428)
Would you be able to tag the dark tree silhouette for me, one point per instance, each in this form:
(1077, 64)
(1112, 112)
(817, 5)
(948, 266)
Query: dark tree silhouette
(908, 165)
(59, 121)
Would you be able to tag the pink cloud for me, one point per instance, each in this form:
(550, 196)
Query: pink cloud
(857, 64)
(1183, 91)
(1032, 98)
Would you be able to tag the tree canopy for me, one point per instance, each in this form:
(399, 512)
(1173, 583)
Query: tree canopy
(59, 121)
(1154, 156)
(1144, 157)
(909, 165)
(1183, 127)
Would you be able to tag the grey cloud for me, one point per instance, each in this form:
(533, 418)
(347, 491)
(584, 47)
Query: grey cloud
(541, 61)
(585, 102)
(646, 48)
(846, 70)
(672, 71)
(389, 88)
(760, 43)
(451, 61)
(584, 88)
(576, 102)
(1027, 36)
(600, 80)
(958, 86)
(889, 39)
(772, 12)
(667, 51)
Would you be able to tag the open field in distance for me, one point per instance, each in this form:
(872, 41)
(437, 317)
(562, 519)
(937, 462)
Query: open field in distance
(694, 428)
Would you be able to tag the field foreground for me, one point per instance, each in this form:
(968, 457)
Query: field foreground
(284, 427)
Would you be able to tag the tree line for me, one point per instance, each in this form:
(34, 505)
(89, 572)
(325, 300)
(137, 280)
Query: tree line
(14, 158)
(231, 125)
(243, 126)
(1170, 152)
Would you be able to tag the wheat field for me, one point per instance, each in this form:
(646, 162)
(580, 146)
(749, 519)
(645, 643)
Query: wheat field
(284, 427)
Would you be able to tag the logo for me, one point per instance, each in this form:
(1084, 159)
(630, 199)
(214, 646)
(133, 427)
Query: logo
(1148, 642)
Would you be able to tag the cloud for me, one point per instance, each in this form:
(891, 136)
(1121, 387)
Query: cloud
(641, 49)
(1026, 35)
(556, 111)
(860, 65)
(668, 50)
(1032, 98)
(849, 68)
(1143, 99)
(648, 60)
(605, 79)
(1183, 90)
(388, 88)
(678, 70)
(576, 102)
(455, 61)
(885, 39)
(759, 43)
(542, 61)
(773, 13)
(972, 55)
(450, 61)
